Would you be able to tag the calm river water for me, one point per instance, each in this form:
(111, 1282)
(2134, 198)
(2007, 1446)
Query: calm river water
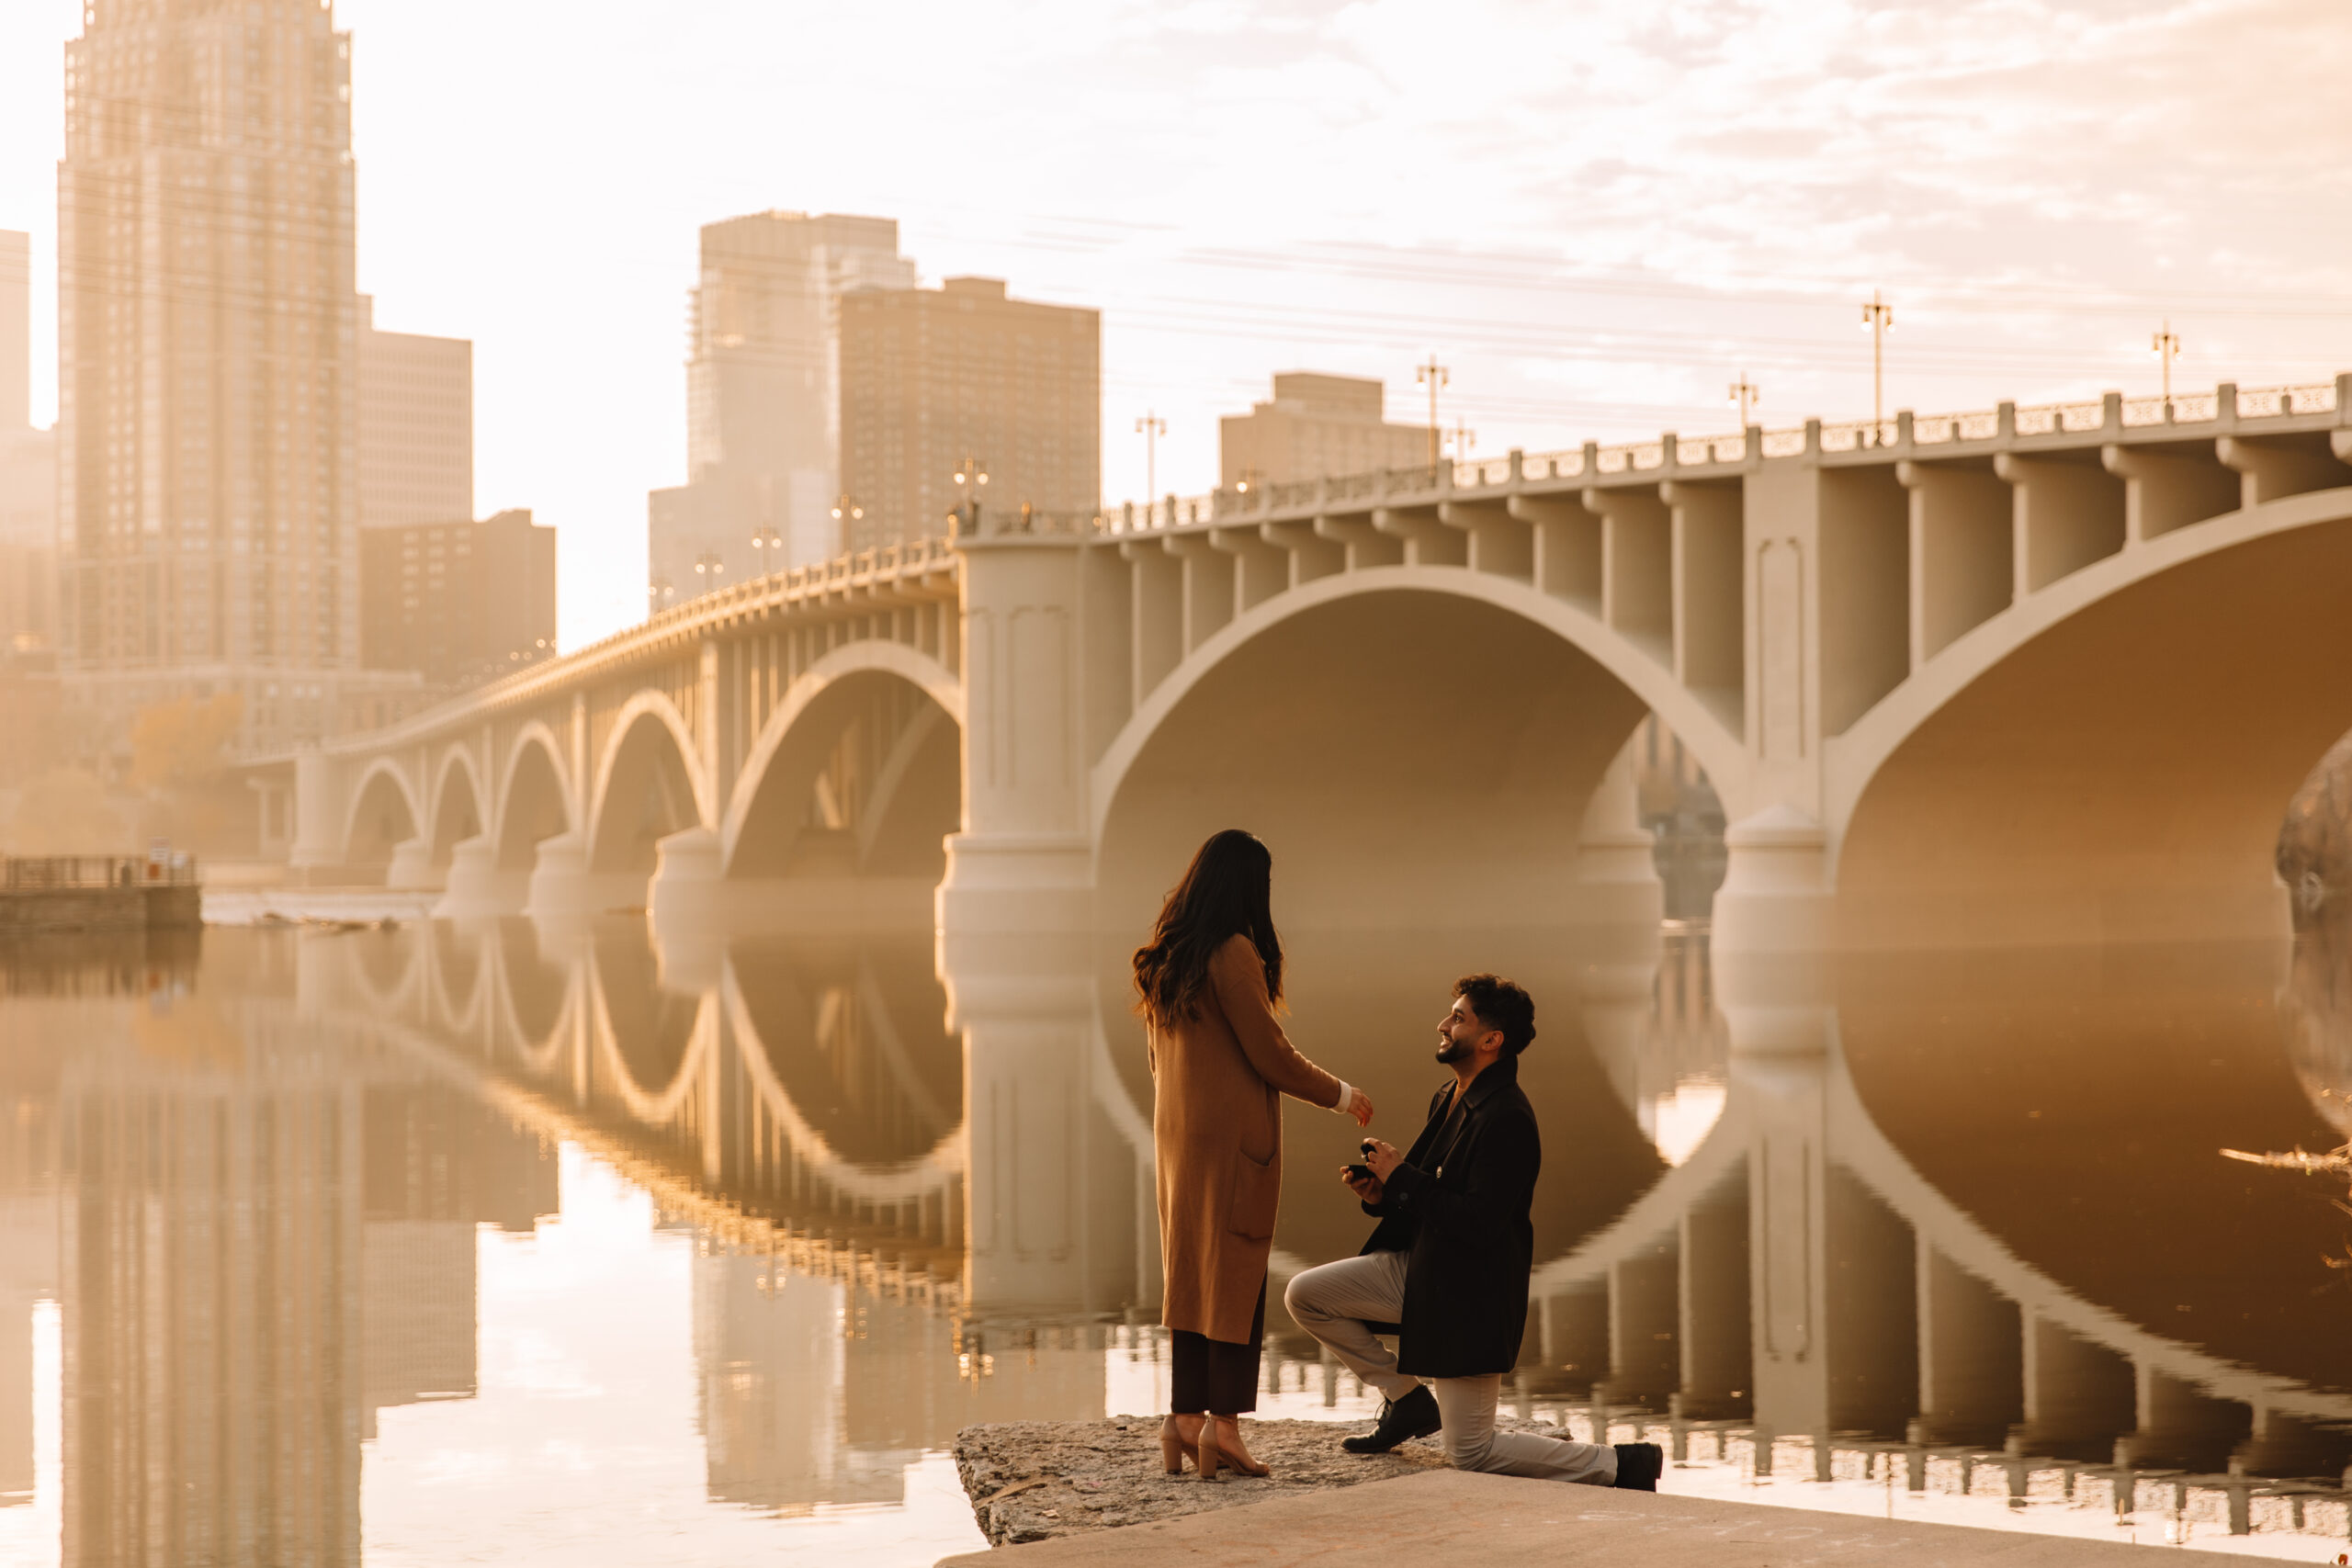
(433, 1246)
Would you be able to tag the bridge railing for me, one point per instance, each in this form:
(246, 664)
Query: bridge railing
(47, 874)
(1594, 459)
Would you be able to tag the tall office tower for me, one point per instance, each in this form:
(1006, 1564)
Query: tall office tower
(208, 479)
(1316, 426)
(458, 602)
(28, 473)
(936, 379)
(763, 397)
(416, 427)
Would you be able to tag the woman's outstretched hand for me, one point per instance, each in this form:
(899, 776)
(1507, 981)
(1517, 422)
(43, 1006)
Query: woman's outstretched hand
(1361, 1109)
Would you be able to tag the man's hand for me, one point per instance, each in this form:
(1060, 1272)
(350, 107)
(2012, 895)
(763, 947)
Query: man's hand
(1367, 1188)
(1361, 1109)
(1384, 1158)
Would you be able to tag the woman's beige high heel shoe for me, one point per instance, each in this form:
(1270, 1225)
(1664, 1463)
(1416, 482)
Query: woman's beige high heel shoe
(1173, 1443)
(1205, 1454)
(1229, 1447)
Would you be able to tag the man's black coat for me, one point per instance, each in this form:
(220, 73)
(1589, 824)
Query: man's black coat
(1459, 1205)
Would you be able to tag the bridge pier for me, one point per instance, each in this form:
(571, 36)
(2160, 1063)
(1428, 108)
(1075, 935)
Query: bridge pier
(411, 868)
(1024, 862)
(477, 888)
(562, 890)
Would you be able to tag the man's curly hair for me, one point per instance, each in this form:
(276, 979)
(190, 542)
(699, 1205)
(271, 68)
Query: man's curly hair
(1500, 1004)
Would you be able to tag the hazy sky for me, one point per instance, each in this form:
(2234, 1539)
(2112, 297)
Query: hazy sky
(1595, 214)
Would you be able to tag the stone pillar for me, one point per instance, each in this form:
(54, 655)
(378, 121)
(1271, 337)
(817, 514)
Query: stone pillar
(1776, 897)
(413, 869)
(1616, 868)
(1971, 1386)
(317, 825)
(562, 887)
(1022, 868)
(687, 893)
(476, 888)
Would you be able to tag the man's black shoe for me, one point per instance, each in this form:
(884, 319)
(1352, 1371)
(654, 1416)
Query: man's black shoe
(1415, 1416)
(1638, 1465)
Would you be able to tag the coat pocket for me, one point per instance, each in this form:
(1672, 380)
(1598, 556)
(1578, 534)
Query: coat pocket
(1256, 1194)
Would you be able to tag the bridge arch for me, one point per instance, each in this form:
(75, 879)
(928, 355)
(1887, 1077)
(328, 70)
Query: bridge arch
(908, 782)
(384, 815)
(534, 798)
(1387, 716)
(2110, 757)
(650, 783)
(460, 806)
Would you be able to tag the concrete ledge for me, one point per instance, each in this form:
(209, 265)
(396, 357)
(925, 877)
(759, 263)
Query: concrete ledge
(1445, 1519)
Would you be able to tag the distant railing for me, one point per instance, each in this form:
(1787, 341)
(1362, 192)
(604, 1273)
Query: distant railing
(1639, 457)
(44, 873)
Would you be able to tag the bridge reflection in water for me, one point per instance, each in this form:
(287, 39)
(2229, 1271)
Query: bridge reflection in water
(1955, 1223)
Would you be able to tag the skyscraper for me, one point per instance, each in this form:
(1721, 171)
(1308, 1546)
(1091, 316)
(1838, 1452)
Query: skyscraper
(763, 396)
(208, 472)
(934, 379)
(27, 471)
(416, 427)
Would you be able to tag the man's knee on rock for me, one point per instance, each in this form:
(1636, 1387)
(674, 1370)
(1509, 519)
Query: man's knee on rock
(1292, 1300)
(1463, 1454)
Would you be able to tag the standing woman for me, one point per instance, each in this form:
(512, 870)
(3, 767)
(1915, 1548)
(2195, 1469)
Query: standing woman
(1208, 982)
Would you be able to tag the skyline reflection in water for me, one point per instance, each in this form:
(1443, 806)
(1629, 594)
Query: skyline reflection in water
(496, 1242)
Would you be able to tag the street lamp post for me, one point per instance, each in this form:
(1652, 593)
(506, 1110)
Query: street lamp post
(1151, 427)
(769, 546)
(971, 475)
(1747, 394)
(2166, 345)
(1877, 317)
(847, 516)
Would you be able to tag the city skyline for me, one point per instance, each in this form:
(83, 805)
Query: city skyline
(1627, 219)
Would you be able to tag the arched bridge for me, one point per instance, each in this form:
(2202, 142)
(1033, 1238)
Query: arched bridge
(2033, 674)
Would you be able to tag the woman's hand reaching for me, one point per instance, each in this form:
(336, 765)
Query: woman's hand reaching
(1359, 1107)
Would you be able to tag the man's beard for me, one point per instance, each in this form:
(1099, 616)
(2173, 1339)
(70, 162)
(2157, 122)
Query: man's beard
(1451, 1051)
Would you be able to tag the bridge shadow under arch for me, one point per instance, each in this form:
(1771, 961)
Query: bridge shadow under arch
(1408, 753)
(461, 809)
(648, 787)
(861, 777)
(535, 804)
(2110, 760)
(383, 816)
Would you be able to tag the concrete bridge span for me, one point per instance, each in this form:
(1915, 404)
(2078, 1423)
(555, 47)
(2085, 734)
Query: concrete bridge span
(2028, 675)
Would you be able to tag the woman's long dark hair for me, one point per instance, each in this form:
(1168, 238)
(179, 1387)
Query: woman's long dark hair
(1228, 889)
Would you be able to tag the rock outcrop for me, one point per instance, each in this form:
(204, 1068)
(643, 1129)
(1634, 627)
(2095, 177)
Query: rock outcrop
(2315, 840)
(1032, 1480)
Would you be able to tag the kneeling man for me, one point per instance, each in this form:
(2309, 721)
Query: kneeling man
(1446, 1270)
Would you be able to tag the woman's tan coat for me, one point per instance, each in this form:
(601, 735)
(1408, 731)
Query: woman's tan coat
(1216, 1124)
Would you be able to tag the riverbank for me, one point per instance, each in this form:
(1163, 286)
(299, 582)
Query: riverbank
(59, 894)
(1445, 1519)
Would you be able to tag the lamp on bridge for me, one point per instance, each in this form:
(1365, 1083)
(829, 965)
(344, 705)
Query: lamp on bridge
(770, 543)
(1747, 394)
(971, 474)
(1878, 320)
(709, 567)
(2166, 347)
(847, 516)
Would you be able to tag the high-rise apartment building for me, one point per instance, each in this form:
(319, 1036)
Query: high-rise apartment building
(763, 396)
(457, 603)
(28, 472)
(1316, 426)
(416, 427)
(934, 381)
(209, 463)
